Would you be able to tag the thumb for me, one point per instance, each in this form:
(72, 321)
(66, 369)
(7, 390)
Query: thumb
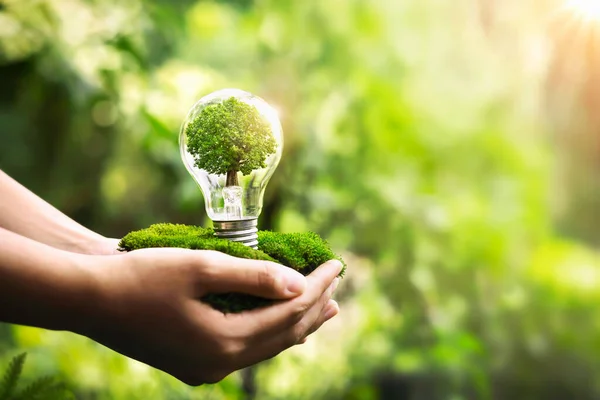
(267, 279)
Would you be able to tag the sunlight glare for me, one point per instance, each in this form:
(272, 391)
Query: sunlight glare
(587, 9)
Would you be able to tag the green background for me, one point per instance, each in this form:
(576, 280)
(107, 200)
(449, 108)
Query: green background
(449, 150)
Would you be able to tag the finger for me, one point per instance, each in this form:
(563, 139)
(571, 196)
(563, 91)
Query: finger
(227, 274)
(283, 315)
(269, 348)
(329, 311)
(273, 342)
(323, 276)
(296, 333)
(302, 328)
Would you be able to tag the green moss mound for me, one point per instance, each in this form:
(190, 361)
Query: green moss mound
(303, 252)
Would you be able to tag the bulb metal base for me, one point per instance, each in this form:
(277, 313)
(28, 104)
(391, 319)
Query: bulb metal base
(244, 231)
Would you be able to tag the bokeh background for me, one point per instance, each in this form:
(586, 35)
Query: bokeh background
(449, 150)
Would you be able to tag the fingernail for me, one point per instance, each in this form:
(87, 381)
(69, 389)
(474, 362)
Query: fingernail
(332, 309)
(295, 281)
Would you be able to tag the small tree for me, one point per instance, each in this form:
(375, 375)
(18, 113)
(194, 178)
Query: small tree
(230, 137)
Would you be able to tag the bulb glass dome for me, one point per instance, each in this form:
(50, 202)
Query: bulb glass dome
(231, 142)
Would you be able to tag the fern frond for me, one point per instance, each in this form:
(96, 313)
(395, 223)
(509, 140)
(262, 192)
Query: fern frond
(41, 388)
(11, 376)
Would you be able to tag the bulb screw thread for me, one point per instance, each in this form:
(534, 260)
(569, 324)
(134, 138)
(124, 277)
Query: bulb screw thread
(243, 231)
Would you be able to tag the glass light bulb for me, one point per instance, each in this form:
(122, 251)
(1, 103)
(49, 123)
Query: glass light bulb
(231, 142)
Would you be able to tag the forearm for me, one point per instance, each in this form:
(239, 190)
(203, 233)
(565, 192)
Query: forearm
(42, 286)
(22, 212)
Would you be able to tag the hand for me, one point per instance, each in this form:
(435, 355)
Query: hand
(96, 245)
(149, 311)
(105, 247)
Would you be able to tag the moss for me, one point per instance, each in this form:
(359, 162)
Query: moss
(187, 237)
(303, 252)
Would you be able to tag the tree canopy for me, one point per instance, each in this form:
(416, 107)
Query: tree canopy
(229, 137)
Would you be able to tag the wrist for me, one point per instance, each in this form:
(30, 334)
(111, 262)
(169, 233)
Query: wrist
(45, 287)
(100, 299)
(72, 303)
(92, 293)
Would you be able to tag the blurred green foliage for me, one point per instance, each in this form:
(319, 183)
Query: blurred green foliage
(45, 388)
(417, 141)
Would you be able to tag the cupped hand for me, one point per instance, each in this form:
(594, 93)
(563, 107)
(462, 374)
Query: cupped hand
(148, 309)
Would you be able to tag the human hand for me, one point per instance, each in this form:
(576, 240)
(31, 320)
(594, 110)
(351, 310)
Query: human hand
(105, 247)
(96, 245)
(148, 309)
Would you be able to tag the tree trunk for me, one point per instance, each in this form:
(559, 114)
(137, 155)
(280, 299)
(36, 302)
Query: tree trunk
(232, 178)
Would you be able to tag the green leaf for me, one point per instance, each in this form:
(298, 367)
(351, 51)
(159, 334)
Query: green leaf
(126, 45)
(11, 376)
(40, 389)
(158, 127)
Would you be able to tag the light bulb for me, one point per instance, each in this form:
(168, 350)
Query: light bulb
(231, 142)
